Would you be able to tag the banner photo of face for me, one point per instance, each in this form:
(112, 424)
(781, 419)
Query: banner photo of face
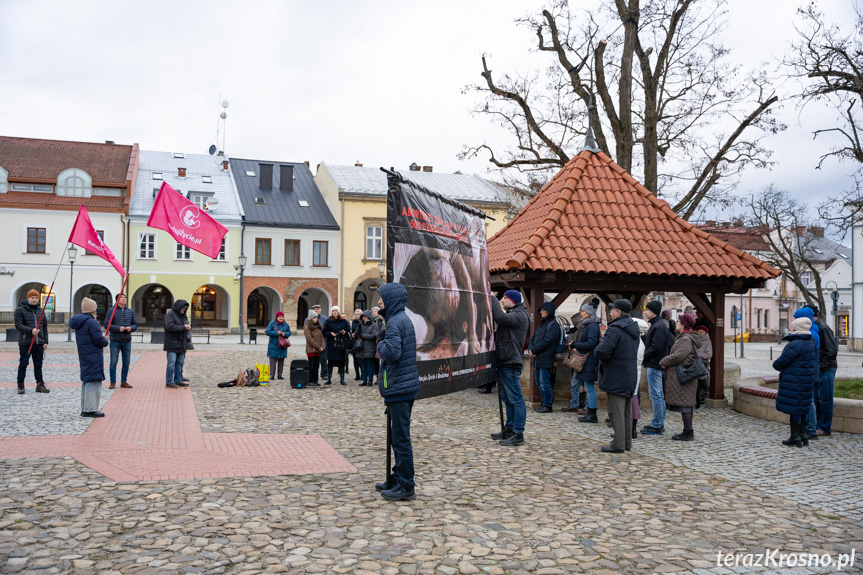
(436, 249)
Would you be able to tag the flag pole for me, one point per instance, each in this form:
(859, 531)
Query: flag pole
(50, 290)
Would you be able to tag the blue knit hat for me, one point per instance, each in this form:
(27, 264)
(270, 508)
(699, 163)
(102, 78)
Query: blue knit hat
(513, 295)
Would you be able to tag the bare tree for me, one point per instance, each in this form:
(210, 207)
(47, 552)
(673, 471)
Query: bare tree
(783, 222)
(666, 99)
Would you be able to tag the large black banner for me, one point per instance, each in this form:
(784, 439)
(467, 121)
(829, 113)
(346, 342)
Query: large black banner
(436, 248)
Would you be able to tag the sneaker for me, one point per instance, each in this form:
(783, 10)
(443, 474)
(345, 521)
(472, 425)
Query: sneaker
(125, 385)
(172, 385)
(399, 493)
(650, 430)
(20, 391)
(182, 384)
(112, 386)
(505, 434)
(543, 409)
(186, 378)
(40, 388)
(514, 439)
(384, 485)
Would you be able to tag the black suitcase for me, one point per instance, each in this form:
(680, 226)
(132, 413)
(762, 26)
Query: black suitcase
(300, 373)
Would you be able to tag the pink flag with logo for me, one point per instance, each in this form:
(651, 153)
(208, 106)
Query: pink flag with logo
(85, 236)
(186, 223)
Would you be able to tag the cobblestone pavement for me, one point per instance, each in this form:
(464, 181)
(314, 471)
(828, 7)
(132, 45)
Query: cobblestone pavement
(554, 505)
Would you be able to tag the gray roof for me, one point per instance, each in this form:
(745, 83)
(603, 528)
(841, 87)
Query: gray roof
(198, 166)
(282, 207)
(359, 180)
(821, 249)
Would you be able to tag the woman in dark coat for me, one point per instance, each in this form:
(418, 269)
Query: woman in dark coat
(367, 335)
(587, 342)
(315, 345)
(277, 327)
(90, 342)
(335, 328)
(798, 370)
(679, 396)
(177, 342)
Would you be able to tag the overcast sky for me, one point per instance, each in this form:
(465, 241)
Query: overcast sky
(378, 82)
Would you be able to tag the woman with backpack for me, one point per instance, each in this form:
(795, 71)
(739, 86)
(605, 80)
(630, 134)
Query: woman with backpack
(278, 330)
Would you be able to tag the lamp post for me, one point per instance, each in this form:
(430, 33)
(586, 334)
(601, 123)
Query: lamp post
(73, 253)
(741, 326)
(382, 269)
(242, 266)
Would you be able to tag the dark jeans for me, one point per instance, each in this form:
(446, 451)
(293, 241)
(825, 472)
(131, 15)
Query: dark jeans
(357, 364)
(368, 370)
(116, 348)
(323, 360)
(824, 400)
(174, 370)
(314, 366)
(509, 379)
(400, 430)
(37, 352)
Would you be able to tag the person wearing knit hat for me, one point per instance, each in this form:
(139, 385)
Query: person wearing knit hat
(682, 396)
(542, 352)
(279, 331)
(587, 341)
(657, 342)
(513, 295)
(798, 371)
(512, 321)
(32, 325)
(315, 345)
(90, 343)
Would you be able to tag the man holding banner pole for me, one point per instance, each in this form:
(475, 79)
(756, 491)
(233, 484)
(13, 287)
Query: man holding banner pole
(512, 326)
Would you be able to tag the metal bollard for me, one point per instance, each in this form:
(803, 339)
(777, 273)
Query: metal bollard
(771, 353)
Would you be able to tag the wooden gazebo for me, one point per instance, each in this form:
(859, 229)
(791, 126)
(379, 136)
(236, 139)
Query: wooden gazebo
(594, 229)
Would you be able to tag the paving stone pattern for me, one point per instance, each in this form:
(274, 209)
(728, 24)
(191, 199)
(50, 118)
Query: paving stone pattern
(554, 505)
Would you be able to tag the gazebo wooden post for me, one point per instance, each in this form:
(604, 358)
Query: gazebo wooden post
(717, 364)
(535, 298)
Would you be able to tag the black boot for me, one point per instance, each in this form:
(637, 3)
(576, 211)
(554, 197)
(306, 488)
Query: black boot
(590, 417)
(634, 428)
(514, 439)
(582, 400)
(329, 379)
(505, 434)
(794, 440)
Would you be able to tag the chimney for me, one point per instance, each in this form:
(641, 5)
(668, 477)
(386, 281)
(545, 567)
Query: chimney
(728, 225)
(357, 164)
(710, 223)
(801, 230)
(266, 171)
(427, 168)
(286, 177)
(414, 167)
(111, 142)
(225, 165)
(181, 172)
(817, 231)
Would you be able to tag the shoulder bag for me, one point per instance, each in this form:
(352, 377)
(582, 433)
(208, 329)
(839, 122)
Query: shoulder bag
(695, 370)
(575, 359)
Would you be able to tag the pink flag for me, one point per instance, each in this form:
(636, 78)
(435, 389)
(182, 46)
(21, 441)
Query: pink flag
(84, 235)
(186, 223)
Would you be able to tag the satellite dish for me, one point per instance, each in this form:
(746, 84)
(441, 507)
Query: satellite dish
(212, 204)
(213, 150)
(223, 115)
(225, 103)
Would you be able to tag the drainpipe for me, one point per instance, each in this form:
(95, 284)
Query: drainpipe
(342, 255)
(241, 308)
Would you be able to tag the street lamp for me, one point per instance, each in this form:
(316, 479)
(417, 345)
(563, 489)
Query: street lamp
(382, 269)
(73, 253)
(242, 259)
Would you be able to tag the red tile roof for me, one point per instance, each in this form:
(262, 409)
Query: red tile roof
(51, 201)
(32, 159)
(593, 217)
(747, 239)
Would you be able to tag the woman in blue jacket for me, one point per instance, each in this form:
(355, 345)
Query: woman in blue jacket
(277, 327)
(798, 370)
(90, 342)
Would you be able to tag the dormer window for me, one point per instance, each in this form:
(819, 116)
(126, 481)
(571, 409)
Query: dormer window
(74, 183)
(207, 179)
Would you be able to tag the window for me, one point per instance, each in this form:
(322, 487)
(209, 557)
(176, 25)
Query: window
(157, 175)
(250, 173)
(207, 179)
(374, 240)
(200, 199)
(292, 252)
(767, 318)
(21, 187)
(110, 192)
(223, 251)
(182, 253)
(36, 240)
(260, 202)
(758, 318)
(319, 254)
(4, 180)
(179, 155)
(147, 246)
(303, 203)
(74, 183)
(805, 278)
(360, 300)
(101, 234)
(262, 251)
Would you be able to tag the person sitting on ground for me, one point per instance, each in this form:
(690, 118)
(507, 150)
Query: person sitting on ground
(90, 343)
(680, 395)
(798, 370)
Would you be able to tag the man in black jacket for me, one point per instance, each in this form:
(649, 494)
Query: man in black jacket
(618, 372)
(820, 417)
(29, 327)
(657, 343)
(542, 349)
(176, 326)
(509, 338)
(120, 336)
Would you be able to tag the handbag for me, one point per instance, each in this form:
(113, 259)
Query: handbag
(693, 371)
(284, 342)
(575, 359)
